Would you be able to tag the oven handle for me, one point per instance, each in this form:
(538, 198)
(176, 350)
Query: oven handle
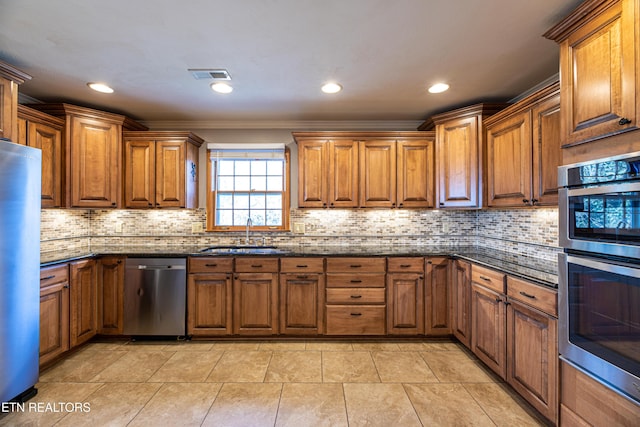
(609, 266)
(604, 189)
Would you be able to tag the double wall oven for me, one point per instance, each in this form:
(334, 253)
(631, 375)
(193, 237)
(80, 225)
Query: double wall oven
(599, 279)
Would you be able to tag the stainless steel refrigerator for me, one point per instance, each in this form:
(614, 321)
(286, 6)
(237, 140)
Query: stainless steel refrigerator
(20, 175)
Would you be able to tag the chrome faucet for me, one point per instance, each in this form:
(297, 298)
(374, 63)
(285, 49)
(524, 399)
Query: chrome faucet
(249, 224)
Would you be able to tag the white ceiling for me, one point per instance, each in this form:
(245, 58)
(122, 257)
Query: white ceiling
(279, 53)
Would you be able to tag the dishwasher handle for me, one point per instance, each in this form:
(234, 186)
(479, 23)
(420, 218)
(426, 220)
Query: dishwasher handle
(160, 267)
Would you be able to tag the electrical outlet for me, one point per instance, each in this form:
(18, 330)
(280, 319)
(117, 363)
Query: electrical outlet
(445, 227)
(118, 227)
(298, 227)
(196, 227)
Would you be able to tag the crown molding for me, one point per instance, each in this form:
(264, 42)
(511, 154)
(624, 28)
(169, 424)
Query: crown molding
(286, 124)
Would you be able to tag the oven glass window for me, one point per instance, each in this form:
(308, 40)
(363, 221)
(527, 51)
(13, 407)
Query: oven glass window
(604, 315)
(611, 217)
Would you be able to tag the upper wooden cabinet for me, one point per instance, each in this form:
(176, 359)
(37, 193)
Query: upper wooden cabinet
(40, 130)
(524, 151)
(93, 150)
(10, 78)
(599, 69)
(459, 142)
(365, 169)
(161, 169)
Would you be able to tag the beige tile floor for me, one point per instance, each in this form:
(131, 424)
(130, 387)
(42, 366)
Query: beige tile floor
(266, 383)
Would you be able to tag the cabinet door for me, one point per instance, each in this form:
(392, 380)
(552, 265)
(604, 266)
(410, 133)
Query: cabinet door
(312, 174)
(343, 174)
(405, 307)
(461, 301)
(509, 161)
(95, 163)
(457, 148)
(255, 298)
(54, 321)
(49, 140)
(377, 174)
(532, 357)
(415, 174)
(110, 295)
(140, 174)
(83, 302)
(209, 304)
(302, 305)
(170, 174)
(547, 151)
(488, 328)
(8, 108)
(598, 72)
(437, 310)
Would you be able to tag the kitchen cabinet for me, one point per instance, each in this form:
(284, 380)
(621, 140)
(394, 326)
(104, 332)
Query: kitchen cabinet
(209, 296)
(405, 296)
(93, 150)
(377, 174)
(83, 319)
(302, 296)
(524, 151)
(355, 296)
(461, 301)
(161, 169)
(437, 306)
(40, 130)
(54, 312)
(10, 78)
(599, 70)
(459, 153)
(111, 295)
(255, 296)
(415, 173)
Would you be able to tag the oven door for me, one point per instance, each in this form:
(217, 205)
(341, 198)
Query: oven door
(600, 320)
(602, 219)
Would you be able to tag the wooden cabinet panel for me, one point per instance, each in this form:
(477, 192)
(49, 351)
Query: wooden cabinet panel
(83, 302)
(437, 308)
(209, 264)
(301, 265)
(532, 356)
(416, 174)
(111, 295)
(54, 312)
(356, 265)
(301, 303)
(312, 174)
(257, 265)
(255, 310)
(10, 78)
(355, 296)
(488, 328)
(378, 173)
(354, 280)
(343, 174)
(140, 179)
(209, 304)
(405, 265)
(355, 320)
(170, 174)
(539, 297)
(405, 309)
(547, 151)
(488, 278)
(461, 301)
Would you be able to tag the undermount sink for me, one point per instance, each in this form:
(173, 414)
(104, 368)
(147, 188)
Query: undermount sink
(244, 249)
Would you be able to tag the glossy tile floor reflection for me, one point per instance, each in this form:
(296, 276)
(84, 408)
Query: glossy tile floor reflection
(266, 383)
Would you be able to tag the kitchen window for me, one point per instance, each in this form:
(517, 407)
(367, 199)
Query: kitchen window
(247, 182)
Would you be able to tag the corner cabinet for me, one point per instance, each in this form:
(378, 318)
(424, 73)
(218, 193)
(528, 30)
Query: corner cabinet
(599, 69)
(461, 301)
(83, 302)
(161, 169)
(437, 307)
(111, 295)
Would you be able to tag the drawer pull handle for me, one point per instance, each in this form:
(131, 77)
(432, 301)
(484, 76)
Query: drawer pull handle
(302, 266)
(486, 279)
(355, 266)
(356, 296)
(47, 278)
(405, 265)
(211, 265)
(356, 314)
(302, 277)
(65, 287)
(524, 294)
(356, 281)
(624, 121)
(256, 265)
(499, 300)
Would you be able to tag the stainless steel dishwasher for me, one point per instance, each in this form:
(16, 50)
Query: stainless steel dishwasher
(155, 291)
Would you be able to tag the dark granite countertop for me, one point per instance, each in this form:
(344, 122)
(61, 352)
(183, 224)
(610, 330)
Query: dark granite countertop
(543, 272)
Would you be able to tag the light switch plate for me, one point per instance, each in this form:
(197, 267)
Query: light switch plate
(298, 227)
(118, 227)
(196, 227)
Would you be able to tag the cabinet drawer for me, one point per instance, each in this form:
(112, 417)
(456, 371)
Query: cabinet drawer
(408, 265)
(52, 275)
(257, 265)
(543, 299)
(365, 265)
(355, 280)
(302, 265)
(355, 320)
(211, 265)
(355, 296)
(488, 278)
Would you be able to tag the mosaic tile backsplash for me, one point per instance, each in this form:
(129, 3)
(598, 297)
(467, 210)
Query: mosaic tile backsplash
(531, 232)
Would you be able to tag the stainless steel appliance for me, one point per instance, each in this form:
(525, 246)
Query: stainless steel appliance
(20, 174)
(599, 277)
(155, 292)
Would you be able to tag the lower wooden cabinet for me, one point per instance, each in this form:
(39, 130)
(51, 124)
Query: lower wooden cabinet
(83, 302)
(209, 296)
(356, 320)
(488, 327)
(54, 312)
(405, 296)
(301, 296)
(255, 303)
(437, 307)
(461, 301)
(111, 295)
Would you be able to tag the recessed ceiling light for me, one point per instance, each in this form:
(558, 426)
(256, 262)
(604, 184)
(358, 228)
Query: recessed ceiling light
(221, 87)
(438, 88)
(331, 88)
(100, 87)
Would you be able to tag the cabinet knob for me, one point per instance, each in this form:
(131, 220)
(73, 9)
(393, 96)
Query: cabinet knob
(525, 201)
(65, 287)
(400, 204)
(441, 203)
(534, 201)
(624, 121)
(324, 205)
(113, 204)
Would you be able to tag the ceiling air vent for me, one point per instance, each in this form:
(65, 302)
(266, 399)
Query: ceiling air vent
(210, 74)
